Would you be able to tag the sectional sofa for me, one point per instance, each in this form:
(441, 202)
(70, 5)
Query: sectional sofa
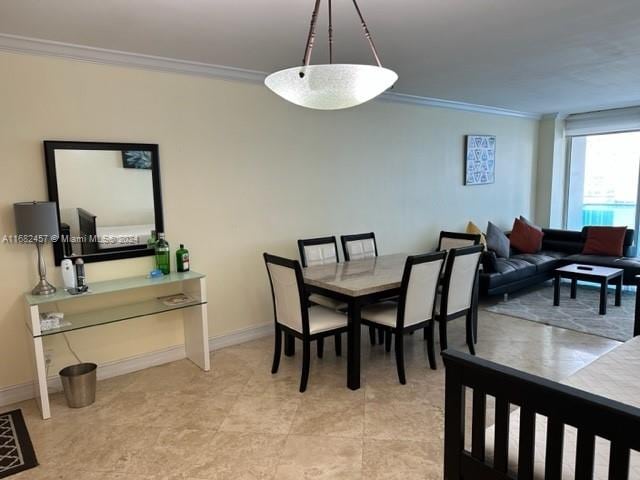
(559, 247)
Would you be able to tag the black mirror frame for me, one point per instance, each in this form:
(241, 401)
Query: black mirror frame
(52, 183)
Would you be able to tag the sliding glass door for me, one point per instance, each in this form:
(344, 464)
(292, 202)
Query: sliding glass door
(603, 181)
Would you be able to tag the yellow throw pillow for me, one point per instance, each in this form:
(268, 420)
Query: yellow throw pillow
(475, 230)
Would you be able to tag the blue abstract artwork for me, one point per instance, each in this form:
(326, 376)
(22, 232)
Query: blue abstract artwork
(480, 165)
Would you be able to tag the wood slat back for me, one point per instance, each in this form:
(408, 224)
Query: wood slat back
(592, 415)
(479, 425)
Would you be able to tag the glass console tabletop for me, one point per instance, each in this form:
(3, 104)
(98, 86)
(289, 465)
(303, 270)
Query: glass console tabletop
(116, 313)
(112, 286)
(119, 313)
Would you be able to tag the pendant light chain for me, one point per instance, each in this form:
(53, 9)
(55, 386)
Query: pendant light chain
(312, 35)
(330, 34)
(367, 34)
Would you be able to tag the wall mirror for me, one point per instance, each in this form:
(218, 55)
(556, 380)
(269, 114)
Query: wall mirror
(108, 197)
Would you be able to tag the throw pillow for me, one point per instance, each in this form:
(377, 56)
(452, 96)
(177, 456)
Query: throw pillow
(526, 238)
(473, 229)
(497, 241)
(530, 223)
(605, 241)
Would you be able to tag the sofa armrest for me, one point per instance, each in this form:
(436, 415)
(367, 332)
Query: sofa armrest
(489, 261)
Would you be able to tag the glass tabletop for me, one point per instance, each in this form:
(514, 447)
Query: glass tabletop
(111, 286)
(93, 318)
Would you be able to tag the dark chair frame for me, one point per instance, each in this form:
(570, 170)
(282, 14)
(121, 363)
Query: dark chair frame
(636, 322)
(303, 258)
(590, 414)
(458, 235)
(400, 329)
(281, 329)
(471, 313)
(344, 239)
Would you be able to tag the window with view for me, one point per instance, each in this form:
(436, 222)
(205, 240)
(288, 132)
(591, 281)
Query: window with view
(603, 181)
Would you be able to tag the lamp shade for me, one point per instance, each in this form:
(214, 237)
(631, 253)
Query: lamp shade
(36, 219)
(331, 86)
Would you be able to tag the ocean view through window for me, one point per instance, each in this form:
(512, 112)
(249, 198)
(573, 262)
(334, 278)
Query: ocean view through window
(603, 180)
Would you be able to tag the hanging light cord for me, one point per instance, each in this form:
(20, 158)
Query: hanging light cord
(312, 35)
(367, 34)
(330, 34)
(64, 335)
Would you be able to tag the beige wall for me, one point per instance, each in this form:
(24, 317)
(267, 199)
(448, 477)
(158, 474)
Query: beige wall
(242, 172)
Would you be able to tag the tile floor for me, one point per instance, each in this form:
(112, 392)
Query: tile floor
(240, 422)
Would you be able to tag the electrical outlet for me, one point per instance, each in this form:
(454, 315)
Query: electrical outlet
(48, 356)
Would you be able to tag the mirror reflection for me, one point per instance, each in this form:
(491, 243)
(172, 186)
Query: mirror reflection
(105, 198)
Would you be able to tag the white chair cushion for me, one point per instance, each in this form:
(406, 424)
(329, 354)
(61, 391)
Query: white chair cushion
(447, 243)
(463, 276)
(327, 302)
(383, 313)
(322, 319)
(320, 254)
(286, 295)
(421, 292)
(360, 249)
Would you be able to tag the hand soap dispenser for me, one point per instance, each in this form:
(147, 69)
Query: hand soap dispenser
(68, 274)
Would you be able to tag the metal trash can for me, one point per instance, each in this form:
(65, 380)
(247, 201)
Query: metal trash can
(79, 384)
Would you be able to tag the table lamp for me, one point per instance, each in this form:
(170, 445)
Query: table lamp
(37, 222)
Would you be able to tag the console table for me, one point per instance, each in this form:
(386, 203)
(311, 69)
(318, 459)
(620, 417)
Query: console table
(194, 318)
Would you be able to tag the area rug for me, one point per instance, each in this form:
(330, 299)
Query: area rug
(580, 314)
(16, 450)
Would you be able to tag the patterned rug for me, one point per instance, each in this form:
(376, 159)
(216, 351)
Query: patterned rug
(580, 314)
(16, 451)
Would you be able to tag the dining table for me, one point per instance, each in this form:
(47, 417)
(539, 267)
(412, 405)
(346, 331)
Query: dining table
(357, 283)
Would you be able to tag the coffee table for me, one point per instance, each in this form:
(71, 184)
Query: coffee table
(589, 273)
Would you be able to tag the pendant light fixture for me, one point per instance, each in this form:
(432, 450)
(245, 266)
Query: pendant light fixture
(331, 86)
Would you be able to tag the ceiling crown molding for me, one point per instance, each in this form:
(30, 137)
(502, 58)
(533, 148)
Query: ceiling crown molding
(454, 105)
(35, 46)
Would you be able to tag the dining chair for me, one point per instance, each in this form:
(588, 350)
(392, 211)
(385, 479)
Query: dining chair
(449, 240)
(322, 251)
(293, 315)
(459, 296)
(358, 247)
(414, 309)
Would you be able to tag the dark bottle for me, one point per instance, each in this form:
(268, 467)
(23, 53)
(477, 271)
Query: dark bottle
(81, 280)
(163, 261)
(182, 259)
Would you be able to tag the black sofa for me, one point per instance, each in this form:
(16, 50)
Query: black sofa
(559, 247)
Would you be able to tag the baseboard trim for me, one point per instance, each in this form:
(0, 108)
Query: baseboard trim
(24, 391)
(240, 336)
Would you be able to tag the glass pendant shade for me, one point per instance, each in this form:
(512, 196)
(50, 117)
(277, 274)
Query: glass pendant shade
(332, 86)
